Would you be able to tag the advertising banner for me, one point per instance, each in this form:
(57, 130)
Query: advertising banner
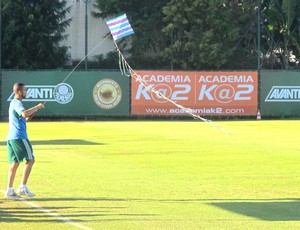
(83, 93)
(205, 93)
(280, 93)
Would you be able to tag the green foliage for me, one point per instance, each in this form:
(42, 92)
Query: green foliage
(205, 34)
(31, 33)
(210, 34)
(283, 23)
(197, 34)
(184, 35)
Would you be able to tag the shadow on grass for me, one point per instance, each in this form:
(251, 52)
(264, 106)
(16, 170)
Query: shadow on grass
(60, 142)
(12, 212)
(27, 214)
(280, 209)
(265, 210)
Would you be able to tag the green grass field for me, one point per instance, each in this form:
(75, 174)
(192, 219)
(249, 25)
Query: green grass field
(158, 175)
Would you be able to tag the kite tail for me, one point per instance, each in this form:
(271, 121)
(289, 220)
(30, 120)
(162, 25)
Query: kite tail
(126, 69)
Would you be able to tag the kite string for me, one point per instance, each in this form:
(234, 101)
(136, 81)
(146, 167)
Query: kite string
(92, 50)
(85, 58)
(126, 69)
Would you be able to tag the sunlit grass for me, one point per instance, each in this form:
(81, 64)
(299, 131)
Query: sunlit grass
(160, 175)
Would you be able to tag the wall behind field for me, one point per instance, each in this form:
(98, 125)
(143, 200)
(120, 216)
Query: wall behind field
(93, 93)
(110, 94)
(280, 93)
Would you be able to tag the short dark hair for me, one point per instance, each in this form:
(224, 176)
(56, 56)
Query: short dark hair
(17, 87)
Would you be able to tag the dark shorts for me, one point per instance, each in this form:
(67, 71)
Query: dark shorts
(19, 150)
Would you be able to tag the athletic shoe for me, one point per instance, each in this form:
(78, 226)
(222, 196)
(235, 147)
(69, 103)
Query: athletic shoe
(25, 192)
(12, 195)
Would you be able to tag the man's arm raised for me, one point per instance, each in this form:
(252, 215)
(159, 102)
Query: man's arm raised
(29, 113)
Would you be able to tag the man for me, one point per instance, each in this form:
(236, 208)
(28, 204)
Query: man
(18, 145)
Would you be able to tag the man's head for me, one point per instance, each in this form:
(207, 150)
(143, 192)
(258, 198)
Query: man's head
(19, 90)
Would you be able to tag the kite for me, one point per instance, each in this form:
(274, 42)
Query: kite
(119, 27)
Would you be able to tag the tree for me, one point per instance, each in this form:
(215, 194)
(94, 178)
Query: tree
(282, 33)
(191, 34)
(210, 34)
(31, 33)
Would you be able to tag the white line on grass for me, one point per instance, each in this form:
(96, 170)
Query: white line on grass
(53, 214)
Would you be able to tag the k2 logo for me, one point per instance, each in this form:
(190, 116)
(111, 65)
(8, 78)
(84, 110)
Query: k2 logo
(226, 93)
(158, 92)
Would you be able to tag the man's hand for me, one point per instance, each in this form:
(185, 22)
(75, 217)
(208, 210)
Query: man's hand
(40, 106)
(28, 114)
